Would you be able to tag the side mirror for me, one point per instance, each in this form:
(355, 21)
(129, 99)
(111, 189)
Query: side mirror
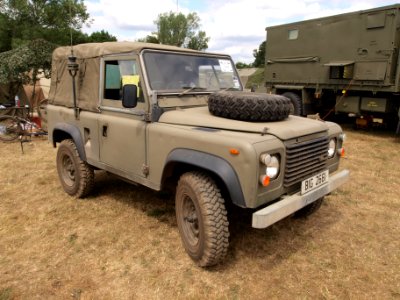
(129, 96)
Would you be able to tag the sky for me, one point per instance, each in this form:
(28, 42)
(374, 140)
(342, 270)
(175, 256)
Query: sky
(235, 27)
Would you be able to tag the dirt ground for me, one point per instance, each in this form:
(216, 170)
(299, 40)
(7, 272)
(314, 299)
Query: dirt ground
(123, 242)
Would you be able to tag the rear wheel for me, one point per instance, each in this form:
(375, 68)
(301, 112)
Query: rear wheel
(202, 218)
(76, 176)
(10, 128)
(295, 101)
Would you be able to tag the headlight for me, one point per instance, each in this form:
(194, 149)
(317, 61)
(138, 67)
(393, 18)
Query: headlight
(272, 168)
(332, 148)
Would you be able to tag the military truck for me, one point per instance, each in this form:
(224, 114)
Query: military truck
(176, 119)
(347, 63)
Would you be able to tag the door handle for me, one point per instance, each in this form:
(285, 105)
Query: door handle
(105, 127)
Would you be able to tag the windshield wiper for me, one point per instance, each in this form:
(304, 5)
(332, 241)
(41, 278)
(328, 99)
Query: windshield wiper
(191, 89)
(228, 89)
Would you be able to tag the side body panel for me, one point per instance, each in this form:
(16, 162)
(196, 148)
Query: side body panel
(356, 51)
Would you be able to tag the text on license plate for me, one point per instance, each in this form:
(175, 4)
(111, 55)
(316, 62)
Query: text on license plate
(314, 182)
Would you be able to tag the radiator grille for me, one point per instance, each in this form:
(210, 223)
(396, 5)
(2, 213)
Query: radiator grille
(305, 159)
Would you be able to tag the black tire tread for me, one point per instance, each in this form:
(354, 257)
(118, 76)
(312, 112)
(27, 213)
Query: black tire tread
(309, 209)
(246, 106)
(86, 172)
(296, 102)
(214, 214)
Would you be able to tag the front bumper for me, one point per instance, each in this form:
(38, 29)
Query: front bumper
(289, 204)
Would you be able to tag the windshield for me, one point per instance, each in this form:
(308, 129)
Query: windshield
(176, 72)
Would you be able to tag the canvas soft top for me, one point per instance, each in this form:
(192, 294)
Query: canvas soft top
(88, 75)
(92, 50)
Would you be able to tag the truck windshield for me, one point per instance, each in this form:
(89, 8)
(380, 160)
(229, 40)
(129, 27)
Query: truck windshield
(172, 72)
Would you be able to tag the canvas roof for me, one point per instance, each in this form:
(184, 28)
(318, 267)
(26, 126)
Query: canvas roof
(92, 50)
(87, 81)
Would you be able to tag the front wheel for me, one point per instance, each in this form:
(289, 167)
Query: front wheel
(202, 218)
(76, 176)
(10, 128)
(309, 209)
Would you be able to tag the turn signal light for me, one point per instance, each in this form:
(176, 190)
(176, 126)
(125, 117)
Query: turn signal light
(341, 152)
(264, 180)
(234, 151)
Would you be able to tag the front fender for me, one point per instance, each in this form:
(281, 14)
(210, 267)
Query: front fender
(214, 164)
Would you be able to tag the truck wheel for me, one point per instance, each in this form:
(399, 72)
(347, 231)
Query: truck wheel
(246, 106)
(309, 209)
(295, 103)
(76, 176)
(202, 218)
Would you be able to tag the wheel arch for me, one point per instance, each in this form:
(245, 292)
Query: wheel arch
(180, 161)
(62, 131)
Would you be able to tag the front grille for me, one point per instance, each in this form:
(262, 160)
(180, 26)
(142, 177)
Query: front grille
(305, 159)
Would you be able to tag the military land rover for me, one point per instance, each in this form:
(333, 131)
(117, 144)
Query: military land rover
(163, 116)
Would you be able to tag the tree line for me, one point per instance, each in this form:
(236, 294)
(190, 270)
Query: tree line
(31, 29)
(259, 58)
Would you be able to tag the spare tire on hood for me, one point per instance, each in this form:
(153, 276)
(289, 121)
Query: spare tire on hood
(246, 106)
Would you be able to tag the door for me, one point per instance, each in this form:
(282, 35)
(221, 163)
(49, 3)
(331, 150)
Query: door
(122, 131)
(376, 52)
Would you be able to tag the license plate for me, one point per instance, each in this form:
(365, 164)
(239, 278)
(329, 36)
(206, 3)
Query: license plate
(314, 182)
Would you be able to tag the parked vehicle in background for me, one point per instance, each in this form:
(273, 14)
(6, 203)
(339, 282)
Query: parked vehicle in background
(347, 63)
(173, 118)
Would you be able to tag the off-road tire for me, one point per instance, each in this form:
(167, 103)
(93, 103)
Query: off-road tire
(202, 218)
(309, 209)
(295, 103)
(246, 106)
(76, 176)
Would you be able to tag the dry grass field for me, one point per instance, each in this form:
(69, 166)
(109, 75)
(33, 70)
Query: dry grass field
(123, 242)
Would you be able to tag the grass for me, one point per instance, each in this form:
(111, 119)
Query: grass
(122, 242)
(256, 79)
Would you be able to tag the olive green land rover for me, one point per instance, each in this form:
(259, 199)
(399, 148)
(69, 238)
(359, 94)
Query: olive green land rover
(163, 116)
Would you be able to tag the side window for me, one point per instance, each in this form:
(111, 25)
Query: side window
(341, 72)
(293, 34)
(117, 74)
(376, 20)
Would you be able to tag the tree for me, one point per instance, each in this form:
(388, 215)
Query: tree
(27, 20)
(242, 65)
(180, 30)
(101, 36)
(5, 34)
(149, 39)
(199, 41)
(24, 64)
(259, 55)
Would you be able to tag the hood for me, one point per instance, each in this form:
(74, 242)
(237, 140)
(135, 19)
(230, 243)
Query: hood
(289, 128)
